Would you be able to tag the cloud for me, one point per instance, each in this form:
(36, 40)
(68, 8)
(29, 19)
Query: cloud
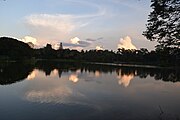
(31, 41)
(84, 43)
(75, 40)
(99, 48)
(52, 27)
(100, 38)
(76, 43)
(56, 46)
(93, 40)
(59, 22)
(72, 45)
(28, 39)
(126, 43)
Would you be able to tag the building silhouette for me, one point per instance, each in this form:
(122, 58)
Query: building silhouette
(60, 46)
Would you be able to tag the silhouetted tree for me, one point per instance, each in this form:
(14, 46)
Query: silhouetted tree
(164, 23)
(13, 49)
(48, 52)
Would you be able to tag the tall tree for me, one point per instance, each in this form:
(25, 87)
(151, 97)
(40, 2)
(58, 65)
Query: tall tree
(164, 23)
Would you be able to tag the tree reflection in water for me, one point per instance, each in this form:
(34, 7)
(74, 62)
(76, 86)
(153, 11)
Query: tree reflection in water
(14, 72)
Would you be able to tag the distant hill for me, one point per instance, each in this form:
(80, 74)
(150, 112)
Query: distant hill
(14, 49)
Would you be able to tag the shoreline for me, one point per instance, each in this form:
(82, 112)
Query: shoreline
(96, 63)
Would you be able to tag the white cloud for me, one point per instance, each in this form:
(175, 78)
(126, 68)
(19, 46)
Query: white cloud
(56, 46)
(28, 39)
(99, 48)
(76, 43)
(50, 28)
(126, 43)
(75, 40)
(59, 22)
(53, 27)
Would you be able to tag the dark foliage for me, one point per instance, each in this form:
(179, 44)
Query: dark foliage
(164, 23)
(14, 49)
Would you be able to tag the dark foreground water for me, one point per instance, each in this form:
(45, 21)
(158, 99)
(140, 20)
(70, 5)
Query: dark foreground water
(72, 91)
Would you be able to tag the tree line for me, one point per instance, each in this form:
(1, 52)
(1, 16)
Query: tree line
(12, 49)
(142, 56)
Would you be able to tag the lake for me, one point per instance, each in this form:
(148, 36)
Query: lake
(75, 91)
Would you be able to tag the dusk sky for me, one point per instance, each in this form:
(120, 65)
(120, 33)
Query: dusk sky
(79, 24)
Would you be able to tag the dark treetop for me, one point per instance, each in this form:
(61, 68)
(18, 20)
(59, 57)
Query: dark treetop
(164, 23)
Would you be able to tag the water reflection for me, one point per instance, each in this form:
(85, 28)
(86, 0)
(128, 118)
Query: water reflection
(32, 75)
(13, 72)
(97, 73)
(74, 78)
(54, 95)
(55, 72)
(62, 90)
(125, 79)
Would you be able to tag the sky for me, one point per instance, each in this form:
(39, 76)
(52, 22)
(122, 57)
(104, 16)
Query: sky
(78, 24)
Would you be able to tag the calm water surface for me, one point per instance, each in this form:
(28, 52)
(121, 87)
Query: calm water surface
(72, 91)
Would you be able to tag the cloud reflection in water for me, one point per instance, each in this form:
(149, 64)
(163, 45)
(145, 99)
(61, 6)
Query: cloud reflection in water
(74, 78)
(55, 95)
(125, 79)
(32, 75)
